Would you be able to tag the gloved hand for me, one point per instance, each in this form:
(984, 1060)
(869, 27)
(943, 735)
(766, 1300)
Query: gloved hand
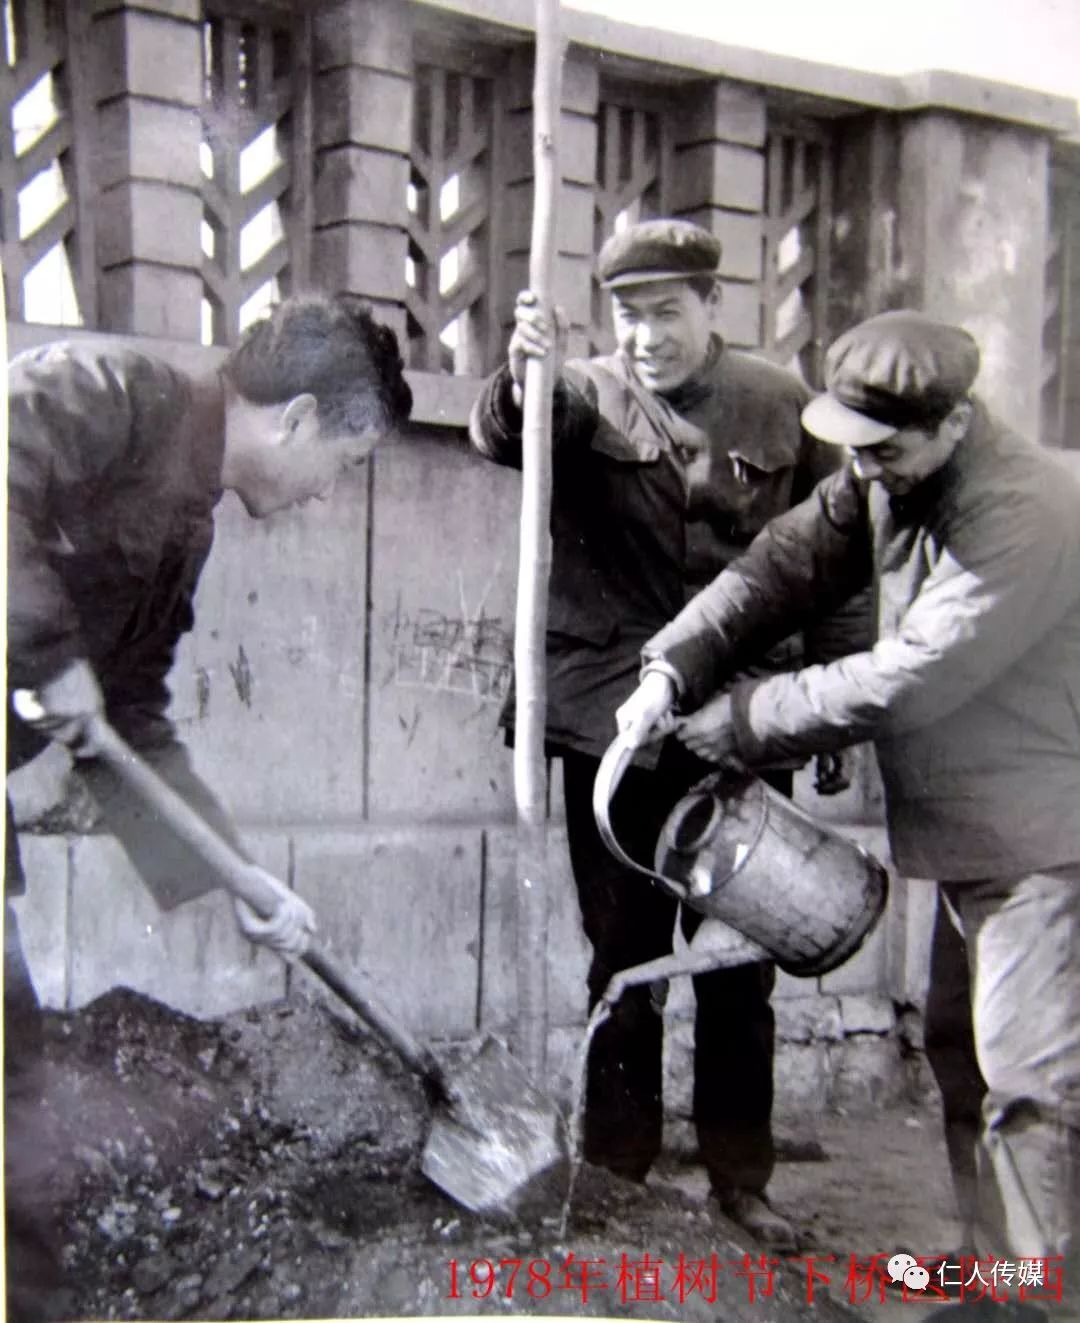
(534, 337)
(287, 930)
(646, 715)
(64, 707)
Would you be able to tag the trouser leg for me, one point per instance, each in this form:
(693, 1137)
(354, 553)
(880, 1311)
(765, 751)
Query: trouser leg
(1023, 937)
(628, 921)
(950, 1050)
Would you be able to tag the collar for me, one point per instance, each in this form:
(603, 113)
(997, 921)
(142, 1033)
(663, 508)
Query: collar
(699, 384)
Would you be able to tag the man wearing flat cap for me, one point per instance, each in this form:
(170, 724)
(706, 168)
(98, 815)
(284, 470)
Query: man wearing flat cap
(971, 694)
(669, 456)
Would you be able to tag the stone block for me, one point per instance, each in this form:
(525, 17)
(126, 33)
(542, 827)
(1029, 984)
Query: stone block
(192, 958)
(144, 139)
(808, 1019)
(580, 80)
(718, 175)
(269, 688)
(401, 906)
(443, 577)
(740, 315)
(374, 33)
(362, 257)
(577, 148)
(144, 221)
(741, 237)
(801, 1076)
(866, 1071)
(42, 915)
(787, 985)
(721, 112)
(360, 184)
(866, 1013)
(139, 53)
(151, 300)
(368, 107)
(866, 970)
(575, 213)
(568, 951)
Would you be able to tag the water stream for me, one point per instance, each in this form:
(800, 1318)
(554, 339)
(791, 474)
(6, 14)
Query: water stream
(577, 1107)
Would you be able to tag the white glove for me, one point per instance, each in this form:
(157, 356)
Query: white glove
(287, 930)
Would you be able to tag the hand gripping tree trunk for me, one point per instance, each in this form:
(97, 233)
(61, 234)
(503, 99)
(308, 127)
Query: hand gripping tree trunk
(534, 566)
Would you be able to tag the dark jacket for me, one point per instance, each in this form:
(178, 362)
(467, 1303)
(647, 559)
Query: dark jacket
(971, 693)
(114, 468)
(639, 523)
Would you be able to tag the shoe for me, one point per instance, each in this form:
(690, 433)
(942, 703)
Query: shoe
(754, 1213)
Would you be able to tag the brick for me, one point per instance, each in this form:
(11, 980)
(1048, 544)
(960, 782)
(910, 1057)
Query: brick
(401, 906)
(719, 175)
(721, 112)
(740, 315)
(364, 258)
(192, 958)
(374, 33)
(149, 222)
(568, 951)
(144, 54)
(741, 236)
(43, 916)
(151, 300)
(144, 139)
(368, 107)
(866, 1013)
(359, 184)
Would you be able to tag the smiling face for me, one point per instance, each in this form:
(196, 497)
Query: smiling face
(664, 328)
(277, 456)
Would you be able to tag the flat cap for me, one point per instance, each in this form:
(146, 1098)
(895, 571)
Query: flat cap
(657, 250)
(899, 369)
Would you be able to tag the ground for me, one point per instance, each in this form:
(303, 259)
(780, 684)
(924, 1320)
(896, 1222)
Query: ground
(266, 1165)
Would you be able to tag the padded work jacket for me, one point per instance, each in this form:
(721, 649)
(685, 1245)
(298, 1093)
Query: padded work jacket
(114, 468)
(971, 693)
(652, 497)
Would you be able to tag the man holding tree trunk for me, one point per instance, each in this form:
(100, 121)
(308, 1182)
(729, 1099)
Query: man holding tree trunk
(669, 456)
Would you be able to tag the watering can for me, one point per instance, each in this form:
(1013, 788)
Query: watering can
(772, 882)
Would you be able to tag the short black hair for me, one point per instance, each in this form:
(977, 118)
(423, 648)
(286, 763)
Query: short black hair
(703, 286)
(329, 346)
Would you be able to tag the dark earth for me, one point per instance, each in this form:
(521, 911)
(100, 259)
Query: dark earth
(266, 1165)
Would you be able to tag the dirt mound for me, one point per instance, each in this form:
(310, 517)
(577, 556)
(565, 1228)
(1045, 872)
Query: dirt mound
(267, 1166)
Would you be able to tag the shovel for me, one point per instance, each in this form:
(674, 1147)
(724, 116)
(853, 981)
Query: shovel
(492, 1132)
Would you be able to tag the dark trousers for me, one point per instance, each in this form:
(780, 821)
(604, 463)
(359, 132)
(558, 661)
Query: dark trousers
(629, 920)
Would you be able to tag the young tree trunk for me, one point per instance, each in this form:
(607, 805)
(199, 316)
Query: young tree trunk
(534, 566)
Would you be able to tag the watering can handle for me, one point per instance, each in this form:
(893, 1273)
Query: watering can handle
(616, 760)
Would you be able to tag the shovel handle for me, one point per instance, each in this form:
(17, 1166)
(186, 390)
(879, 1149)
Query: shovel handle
(246, 880)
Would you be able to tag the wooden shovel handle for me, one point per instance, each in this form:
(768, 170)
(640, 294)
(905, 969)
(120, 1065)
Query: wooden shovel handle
(246, 880)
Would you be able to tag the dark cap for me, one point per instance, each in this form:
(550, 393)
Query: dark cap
(899, 369)
(657, 250)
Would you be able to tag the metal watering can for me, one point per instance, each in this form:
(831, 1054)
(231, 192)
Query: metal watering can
(773, 883)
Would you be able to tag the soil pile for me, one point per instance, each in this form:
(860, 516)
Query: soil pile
(267, 1166)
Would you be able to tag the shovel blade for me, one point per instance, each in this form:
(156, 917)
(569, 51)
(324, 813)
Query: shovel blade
(496, 1135)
